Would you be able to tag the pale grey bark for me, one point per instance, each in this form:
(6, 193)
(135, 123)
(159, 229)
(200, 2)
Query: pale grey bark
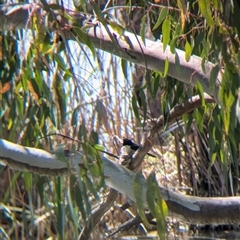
(224, 210)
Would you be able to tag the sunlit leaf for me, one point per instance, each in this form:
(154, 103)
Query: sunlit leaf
(203, 64)
(156, 204)
(163, 14)
(166, 32)
(173, 45)
(28, 181)
(228, 102)
(199, 114)
(98, 147)
(205, 8)
(183, 9)
(138, 195)
(32, 91)
(188, 51)
(119, 29)
(166, 66)
(20, 107)
(200, 91)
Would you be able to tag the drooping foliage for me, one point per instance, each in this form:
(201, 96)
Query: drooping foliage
(50, 84)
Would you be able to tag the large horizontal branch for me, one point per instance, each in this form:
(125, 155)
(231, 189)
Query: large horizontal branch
(188, 208)
(130, 47)
(153, 56)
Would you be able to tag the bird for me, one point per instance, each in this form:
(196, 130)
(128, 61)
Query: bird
(131, 147)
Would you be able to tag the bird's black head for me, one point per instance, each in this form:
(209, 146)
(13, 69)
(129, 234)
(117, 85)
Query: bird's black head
(127, 142)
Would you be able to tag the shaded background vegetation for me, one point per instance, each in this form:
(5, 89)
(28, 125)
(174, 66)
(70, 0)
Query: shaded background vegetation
(51, 85)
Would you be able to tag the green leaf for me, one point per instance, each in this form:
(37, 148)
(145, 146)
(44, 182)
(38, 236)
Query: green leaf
(94, 137)
(73, 212)
(203, 64)
(98, 147)
(13, 181)
(135, 109)
(144, 104)
(28, 181)
(75, 117)
(155, 83)
(213, 77)
(166, 66)
(38, 80)
(85, 39)
(163, 14)
(156, 204)
(77, 196)
(60, 97)
(98, 12)
(199, 113)
(84, 205)
(137, 186)
(60, 208)
(188, 51)
(91, 187)
(216, 114)
(32, 111)
(228, 102)
(166, 32)
(115, 26)
(200, 91)
(173, 45)
(20, 106)
(205, 8)
(124, 67)
(183, 8)
(62, 64)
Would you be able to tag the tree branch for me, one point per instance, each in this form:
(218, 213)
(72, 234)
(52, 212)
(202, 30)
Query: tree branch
(188, 208)
(17, 16)
(192, 104)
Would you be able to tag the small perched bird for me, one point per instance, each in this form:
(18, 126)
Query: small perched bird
(131, 147)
